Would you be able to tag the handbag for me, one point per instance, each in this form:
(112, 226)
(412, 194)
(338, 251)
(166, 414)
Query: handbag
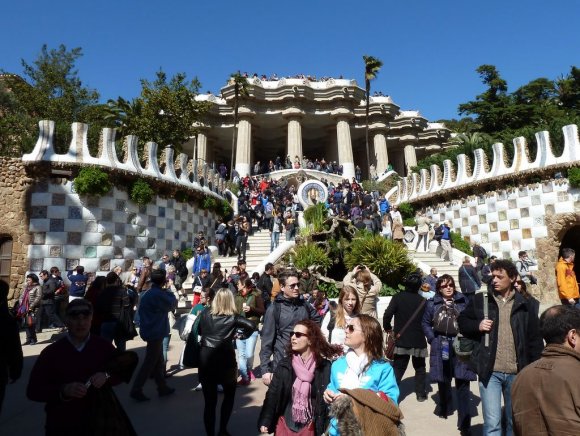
(391, 338)
(192, 351)
(29, 320)
(125, 326)
(283, 430)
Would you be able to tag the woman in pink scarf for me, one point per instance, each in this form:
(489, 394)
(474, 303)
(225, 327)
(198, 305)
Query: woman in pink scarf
(294, 403)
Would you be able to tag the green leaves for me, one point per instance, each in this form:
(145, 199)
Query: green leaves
(92, 181)
(307, 255)
(388, 260)
(141, 192)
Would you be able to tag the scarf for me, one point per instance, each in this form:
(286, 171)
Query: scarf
(354, 370)
(301, 408)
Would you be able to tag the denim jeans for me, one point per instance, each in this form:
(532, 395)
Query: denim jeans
(275, 240)
(246, 349)
(491, 393)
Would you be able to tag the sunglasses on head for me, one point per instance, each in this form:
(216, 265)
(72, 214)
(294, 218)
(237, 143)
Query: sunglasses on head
(299, 334)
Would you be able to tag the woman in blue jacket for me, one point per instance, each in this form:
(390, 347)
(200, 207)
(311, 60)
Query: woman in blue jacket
(443, 363)
(363, 366)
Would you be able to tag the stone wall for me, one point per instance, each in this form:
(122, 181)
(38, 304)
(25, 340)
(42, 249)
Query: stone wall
(14, 185)
(531, 217)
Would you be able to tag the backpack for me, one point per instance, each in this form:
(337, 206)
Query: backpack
(438, 233)
(445, 320)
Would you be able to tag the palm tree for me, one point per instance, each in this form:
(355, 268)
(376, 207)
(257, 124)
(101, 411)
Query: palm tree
(240, 89)
(123, 114)
(470, 141)
(372, 67)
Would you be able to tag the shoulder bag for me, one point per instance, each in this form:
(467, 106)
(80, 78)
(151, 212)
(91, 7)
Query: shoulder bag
(391, 338)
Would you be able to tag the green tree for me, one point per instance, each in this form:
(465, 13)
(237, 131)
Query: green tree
(240, 90)
(372, 68)
(165, 112)
(49, 89)
(568, 90)
(491, 108)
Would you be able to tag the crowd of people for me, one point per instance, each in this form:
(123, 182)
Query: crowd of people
(274, 77)
(320, 359)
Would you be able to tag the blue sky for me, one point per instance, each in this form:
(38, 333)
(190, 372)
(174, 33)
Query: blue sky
(430, 49)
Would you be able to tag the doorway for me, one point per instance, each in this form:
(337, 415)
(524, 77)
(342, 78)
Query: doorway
(572, 240)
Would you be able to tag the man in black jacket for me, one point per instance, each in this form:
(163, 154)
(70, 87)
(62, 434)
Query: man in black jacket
(47, 304)
(180, 268)
(265, 284)
(507, 340)
(279, 321)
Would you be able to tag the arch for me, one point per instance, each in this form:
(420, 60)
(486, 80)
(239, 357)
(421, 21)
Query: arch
(572, 240)
(5, 258)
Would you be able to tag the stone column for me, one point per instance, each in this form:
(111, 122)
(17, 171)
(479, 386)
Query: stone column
(344, 143)
(202, 146)
(408, 142)
(244, 143)
(293, 115)
(380, 146)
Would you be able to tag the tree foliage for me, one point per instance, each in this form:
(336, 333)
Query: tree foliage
(497, 115)
(165, 112)
(49, 89)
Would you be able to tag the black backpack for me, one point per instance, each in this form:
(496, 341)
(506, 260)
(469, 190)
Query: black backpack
(438, 233)
(445, 320)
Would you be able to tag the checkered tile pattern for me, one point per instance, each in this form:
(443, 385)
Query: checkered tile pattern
(103, 232)
(507, 221)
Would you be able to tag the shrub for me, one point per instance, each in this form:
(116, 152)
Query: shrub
(574, 177)
(234, 187)
(141, 192)
(308, 255)
(181, 196)
(208, 203)
(92, 181)
(187, 253)
(330, 289)
(407, 210)
(224, 209)
(315, 215)
(388, 260)
(460, 244)
(410, 222)
(387, 291)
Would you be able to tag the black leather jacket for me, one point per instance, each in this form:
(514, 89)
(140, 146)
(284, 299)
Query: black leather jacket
(218, 330)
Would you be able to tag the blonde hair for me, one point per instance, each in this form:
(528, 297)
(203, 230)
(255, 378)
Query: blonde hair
(340, 313)
(223, 303)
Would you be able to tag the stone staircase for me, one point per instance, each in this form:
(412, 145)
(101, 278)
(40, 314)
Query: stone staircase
(432, 259)
(259, 248)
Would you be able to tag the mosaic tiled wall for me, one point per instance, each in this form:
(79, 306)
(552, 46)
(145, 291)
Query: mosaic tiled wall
(510, 220)
(103, 232)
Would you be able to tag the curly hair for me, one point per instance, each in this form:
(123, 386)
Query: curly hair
(319, 346)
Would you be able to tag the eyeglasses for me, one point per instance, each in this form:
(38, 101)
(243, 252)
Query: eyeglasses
(350, 328)
(292, 285)
(298, 334)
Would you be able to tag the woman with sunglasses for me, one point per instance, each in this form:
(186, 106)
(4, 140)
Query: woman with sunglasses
(294, 402)
(443, 363)
(217, 327)
(363, 366)
(250, 305)
(333, 325)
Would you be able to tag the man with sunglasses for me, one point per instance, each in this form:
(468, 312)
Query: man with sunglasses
(282, 315)
(68, 371)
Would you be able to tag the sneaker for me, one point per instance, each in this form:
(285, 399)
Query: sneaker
(220, 388)
(139, 396)
(252, 376)
(165, 391)
(197, 388)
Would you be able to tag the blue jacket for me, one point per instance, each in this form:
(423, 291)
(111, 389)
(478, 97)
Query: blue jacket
(460, 370)
(379, 377)
(78, 284)
(154, 306)
(201, 261)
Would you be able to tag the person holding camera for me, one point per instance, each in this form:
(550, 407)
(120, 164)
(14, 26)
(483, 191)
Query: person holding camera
(523, 265)
(367, 286)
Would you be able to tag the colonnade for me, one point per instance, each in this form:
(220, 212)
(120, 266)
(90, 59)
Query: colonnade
(294, 116)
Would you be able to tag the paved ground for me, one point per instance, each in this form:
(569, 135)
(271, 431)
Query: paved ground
(184, 409)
